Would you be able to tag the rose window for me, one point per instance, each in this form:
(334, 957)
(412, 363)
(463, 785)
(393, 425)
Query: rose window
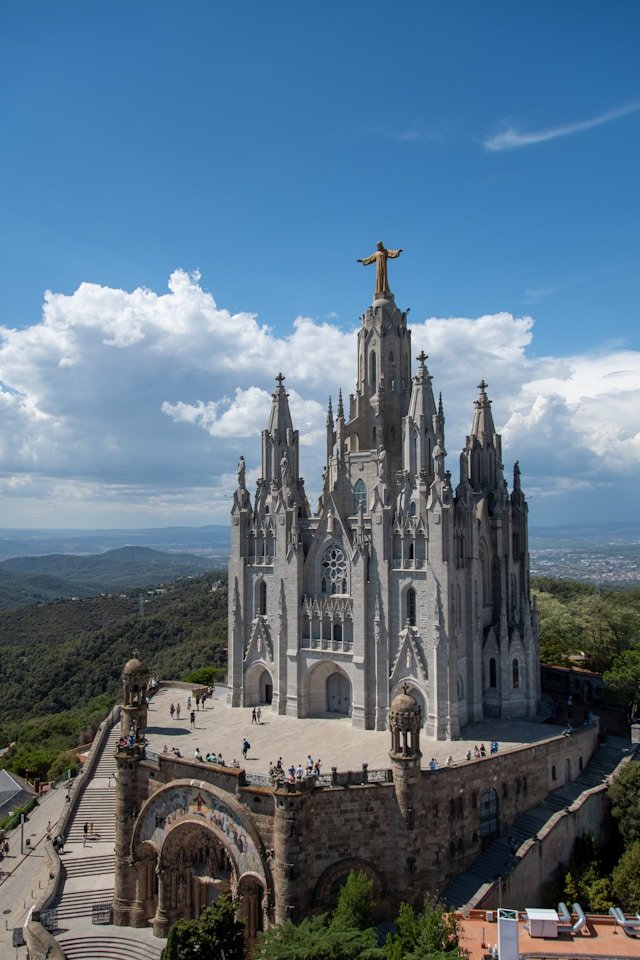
(334, 571)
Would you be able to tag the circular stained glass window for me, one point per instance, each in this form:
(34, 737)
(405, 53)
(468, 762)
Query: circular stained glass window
(334, 570)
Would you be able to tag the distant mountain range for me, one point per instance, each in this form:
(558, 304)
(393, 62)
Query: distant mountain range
(211, 540)
(620, 532)
(38, 579)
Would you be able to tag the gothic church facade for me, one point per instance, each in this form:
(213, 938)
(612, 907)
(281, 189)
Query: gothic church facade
(400, 576)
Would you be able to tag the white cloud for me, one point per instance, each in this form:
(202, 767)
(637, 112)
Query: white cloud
(512, 139)
(132, 407)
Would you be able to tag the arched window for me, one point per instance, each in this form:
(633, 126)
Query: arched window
(488, 813)
(373, 371)
(460, 687)
(360, 495)
(412, 509)
(392, 373)
(515, 670)
(411, 551)
(337, 632)
(492, 672)
(374, 438)
(334, 570)
(262, 598)
(411, 606)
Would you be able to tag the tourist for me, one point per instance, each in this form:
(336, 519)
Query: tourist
(172, 710)
(433, 764)
(468, 755)
(189, 702)
(483, 751)
(254, 716)
(299, 772)
(316, 768)
(197, 703)
(48, 829)
(177, 711)
(193, 719)
(235, 763)
(449, 761)
(245, 747)
(85, 831)
(259, 715)
(221, 762)
(476, 751)
(309, 765)
(196, 754)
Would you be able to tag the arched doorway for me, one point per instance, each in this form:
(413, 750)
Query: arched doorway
(266, 687)
(338, 694)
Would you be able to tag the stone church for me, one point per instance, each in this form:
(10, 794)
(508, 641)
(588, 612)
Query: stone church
(400, 576)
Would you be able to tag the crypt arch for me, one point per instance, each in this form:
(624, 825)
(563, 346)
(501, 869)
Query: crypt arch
(199, 843)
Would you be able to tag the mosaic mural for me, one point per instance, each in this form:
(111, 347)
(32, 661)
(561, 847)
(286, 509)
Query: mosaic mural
(178, 803)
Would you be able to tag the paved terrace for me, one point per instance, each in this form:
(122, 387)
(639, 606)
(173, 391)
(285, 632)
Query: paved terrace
(330, 738)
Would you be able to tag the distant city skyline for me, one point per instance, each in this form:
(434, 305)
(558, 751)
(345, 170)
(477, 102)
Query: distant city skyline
(184, 199)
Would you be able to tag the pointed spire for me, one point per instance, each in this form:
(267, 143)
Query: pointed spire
(280, 419)
(340, 406)
(329, 414)
(440, 409)
(483, 425)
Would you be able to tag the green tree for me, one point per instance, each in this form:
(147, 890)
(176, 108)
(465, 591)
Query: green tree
(347, 936)
(355, 903)
(626, 879)
(624, 796)
(623, 679)
(431, 934)
(217, 929)
(559, 631)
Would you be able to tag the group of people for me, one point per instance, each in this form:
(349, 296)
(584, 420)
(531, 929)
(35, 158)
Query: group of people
(213, 757)
(175, 709)
(294, 774)
(481, 751)
(256, 715)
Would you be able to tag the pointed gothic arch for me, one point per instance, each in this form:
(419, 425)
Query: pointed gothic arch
(360, 496)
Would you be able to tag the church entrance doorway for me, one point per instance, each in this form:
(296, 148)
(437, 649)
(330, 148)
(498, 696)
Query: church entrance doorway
(266, 688)
(338, 694)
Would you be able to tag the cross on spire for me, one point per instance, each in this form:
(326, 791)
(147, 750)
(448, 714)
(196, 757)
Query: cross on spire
(280, 378)
(482, 386)
(422, 356)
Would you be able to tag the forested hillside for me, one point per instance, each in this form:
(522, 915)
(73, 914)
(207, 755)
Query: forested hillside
(27, 580)
(59, 656)
(598, 628)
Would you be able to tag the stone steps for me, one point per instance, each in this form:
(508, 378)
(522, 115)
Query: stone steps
(105, 947)
(90, 866)
(80, 904)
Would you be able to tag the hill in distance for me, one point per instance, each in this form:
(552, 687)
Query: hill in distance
(27, 580)
(210, 541)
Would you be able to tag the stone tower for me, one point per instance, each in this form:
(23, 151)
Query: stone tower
(398, 578)
(135, 678)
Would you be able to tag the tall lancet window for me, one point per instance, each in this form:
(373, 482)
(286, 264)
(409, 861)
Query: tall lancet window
(411, 606)
(373, 371)
(392, 373)
(262, 599)
(360, 496)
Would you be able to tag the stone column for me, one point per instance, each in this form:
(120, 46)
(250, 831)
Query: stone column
(161, 919)
(288, 832)
(125, 882)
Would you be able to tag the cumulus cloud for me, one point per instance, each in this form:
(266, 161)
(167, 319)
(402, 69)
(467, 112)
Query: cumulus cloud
(131, 407)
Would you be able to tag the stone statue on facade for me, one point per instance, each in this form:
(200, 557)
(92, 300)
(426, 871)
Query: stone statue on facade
(380, 258)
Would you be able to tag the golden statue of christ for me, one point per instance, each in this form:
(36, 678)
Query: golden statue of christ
(380, 258)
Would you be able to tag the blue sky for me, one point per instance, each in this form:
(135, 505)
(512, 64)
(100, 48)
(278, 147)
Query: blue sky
(261, 149)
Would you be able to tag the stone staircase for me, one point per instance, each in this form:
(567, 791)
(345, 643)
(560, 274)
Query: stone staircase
(498, 859)
(98, 803)
(108, 948)
(90, 866)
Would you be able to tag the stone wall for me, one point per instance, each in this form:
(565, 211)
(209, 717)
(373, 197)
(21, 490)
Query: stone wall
(313, 836)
